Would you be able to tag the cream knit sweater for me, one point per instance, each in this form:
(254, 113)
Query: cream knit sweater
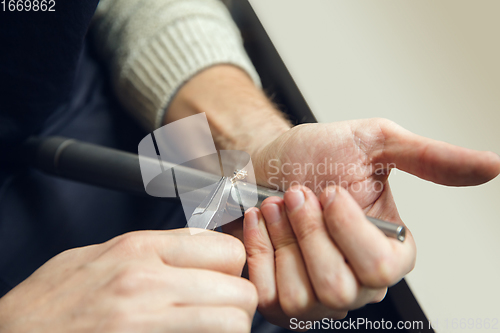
(152, 47)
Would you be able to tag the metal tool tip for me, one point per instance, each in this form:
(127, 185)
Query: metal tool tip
(401, 233)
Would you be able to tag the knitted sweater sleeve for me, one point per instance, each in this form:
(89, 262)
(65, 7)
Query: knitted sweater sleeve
(152, 47)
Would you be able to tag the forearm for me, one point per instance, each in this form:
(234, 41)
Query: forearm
(240, 115)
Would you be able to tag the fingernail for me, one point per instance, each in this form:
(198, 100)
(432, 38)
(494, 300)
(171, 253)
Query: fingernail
(272, 213)
(294, 199)
(328, 197)
(251, 218)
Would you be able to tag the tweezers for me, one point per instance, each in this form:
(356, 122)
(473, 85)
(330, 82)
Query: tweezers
(208, 214)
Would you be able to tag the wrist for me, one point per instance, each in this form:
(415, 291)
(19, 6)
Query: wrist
(239, 114)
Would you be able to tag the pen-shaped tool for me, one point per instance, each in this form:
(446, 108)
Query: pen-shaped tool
(227, 192)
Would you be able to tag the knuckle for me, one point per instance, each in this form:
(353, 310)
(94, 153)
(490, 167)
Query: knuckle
(336, 292)
(130, 243)
(267, 297)
(382, 274)
(386, 126)
(268, 302)
(236, 251)
(66, 255)
(130, 279)
(295, 303)
(384, 121)
(249, 294)
(237, 320)
(384, 271)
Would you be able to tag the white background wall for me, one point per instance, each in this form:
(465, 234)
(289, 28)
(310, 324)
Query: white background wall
(434, 68)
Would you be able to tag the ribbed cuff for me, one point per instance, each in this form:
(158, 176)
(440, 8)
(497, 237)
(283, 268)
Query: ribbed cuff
(149, 80)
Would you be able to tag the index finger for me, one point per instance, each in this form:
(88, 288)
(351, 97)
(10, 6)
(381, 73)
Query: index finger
(207, 250)
(378, 261)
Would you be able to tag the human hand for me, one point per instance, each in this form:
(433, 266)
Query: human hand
(146, 281)
(311, 259)
(359, 156)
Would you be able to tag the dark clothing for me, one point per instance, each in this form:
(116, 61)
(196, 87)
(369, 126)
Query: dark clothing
(50, 85)
(39, 54)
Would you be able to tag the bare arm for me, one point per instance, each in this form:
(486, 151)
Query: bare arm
(240, 115)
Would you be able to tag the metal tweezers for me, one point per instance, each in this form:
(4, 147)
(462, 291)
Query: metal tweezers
(208, 214)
